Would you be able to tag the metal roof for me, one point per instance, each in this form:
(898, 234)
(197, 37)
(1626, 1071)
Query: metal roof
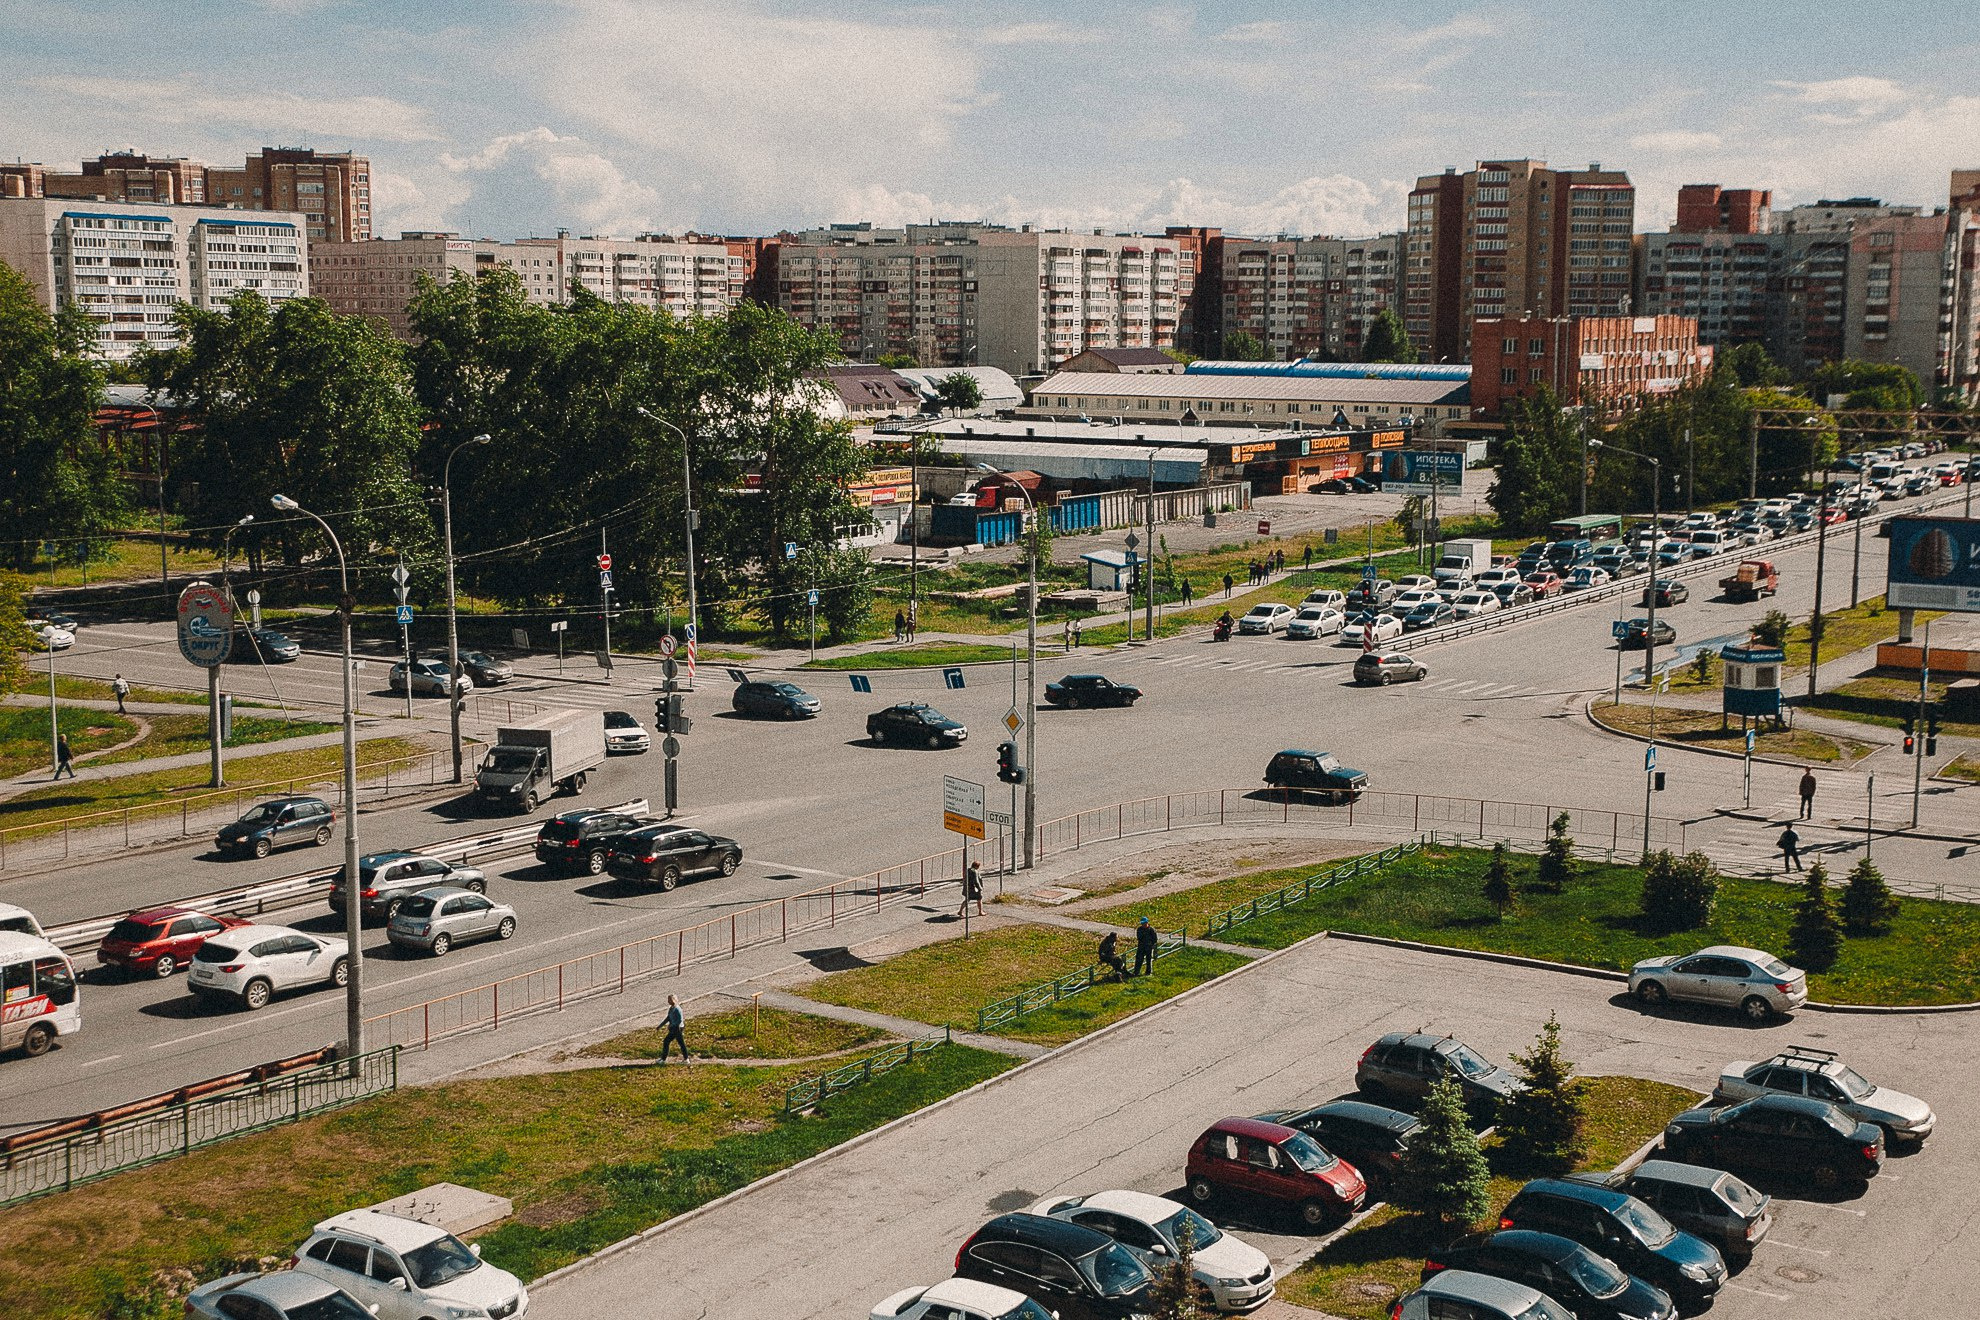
(1452, 371)
(1098, 385)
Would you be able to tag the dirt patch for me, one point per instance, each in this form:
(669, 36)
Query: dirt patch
(565, 1209)
(1177, 866)
(743, 1125)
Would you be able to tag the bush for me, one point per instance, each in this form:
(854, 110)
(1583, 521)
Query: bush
(1541, 1126)
(1868, 905)
(1443, 1170)
(1176, 1294)
(1498, 888)
(1557, 860)
(1815, 933)
(1679, 892)
(1773, 629)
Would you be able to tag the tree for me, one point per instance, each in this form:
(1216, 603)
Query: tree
(896, 360)
(1539, 464)
(1178, 355)
(959, 391)
(1243, 346)
(1498, 887)
(1557, 864)
(1443, 1170)
(1885, 386)
(15, 639)
(1541, 1124)
(1814, 937)
(1773, 628)
(1679, 893)
(1868, 905)
(1750, 365)
(1386, 340)
(1177, 1295)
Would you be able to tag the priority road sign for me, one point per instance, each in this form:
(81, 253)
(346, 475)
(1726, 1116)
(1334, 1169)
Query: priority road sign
(405, 614)
(1013, 721)
(952, 678)
(861, 683)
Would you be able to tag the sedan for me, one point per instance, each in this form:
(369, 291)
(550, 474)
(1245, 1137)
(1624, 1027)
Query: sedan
(1409, 600)
(1637, 635)
(1784, 1134)
(1586, 577)
(914, 722)
(1429, 614)
(1544, 584)
(427, 677)
(779, 700)
(1514, 594)
(959, 1299)
(159, 941)
(264, 645)
(1666, 592)
(53, 638)
(1587, 1284)
(1265, 619)
(485, 669)
(663, 854)
(437, 919)
(282, 1295)
(1327, 598)
(1471, 604)
(624, 733)
(1367, 629)
(254, 963)
(1820, 1075)
(1314, 621)
(1076, 690)
(1384, 668)
(1237, 1275)
(1756, 983)
(1415, 582)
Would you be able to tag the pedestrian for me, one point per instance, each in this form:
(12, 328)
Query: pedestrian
(1066, 631)
(62, 756)
(1306, 559)
(1144, 948)
(1807, 795)
(1227, 584)
(913, 619)
(1188, 593)
(676, 1019)
(1279, 561)
(122, 688)
(1110, 955)
(1075, 624)
(1790, 845)
(900, 625)
(972, 889)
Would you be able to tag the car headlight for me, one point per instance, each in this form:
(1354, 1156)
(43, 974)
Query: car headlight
(1696, 1273)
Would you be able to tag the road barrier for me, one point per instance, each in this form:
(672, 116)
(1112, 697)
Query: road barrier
(1047, 993)
(1301, 890)
(814, 1091)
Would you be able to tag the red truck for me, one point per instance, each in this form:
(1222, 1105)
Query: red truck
(1753, 579)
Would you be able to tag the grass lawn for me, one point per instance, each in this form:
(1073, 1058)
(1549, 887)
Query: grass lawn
(1848, 630)
(1964, 767)
(588, 1157)
(175, 735)
(125, 559)
(779, 1034)
(918, 655)
(95, 689)
(1109, 1002)
(1362, 1272)
(1190, 909)
(24, 735)
(1883, 698)
(1688, 726)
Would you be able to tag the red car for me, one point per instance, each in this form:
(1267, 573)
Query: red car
(1256, 1160)
(1832, 515)
(159, 941)
(1544, 584)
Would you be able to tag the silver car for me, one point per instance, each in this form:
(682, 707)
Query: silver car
(1726, 975)
(1819, 1075)
(283, 1295)
(428, 678)
(437, 919)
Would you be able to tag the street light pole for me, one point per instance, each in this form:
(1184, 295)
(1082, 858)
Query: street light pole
(353, 917)
(1030, 677)
(1650, 596)
(1821, 561)
(1149, 559)
(453, 632)
(218, 778)
(688, 519)
(158, 462)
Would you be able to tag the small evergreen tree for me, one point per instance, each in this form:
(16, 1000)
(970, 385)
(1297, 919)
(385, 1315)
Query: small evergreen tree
(1498, 880)
(1177, 1295)
(1557, 864)
(1773, 629)
(1443, 1170)
(1541, 1125)
(1868, 905)
(1679, 893)
(1815, 934)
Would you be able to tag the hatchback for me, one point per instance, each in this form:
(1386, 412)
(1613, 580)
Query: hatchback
(1079, 1272)
(1237, 1275)
(624, 733)
(1514, 594)
(1626, 1231)
(1471, 604)
(1637, 634)
(959, 1299)
(1710, 1204)
(1462, 1295)
(437, 919)
(277, 823)
(282, 1295)
(1268, 618)
(159, 941)
(263, 645)
(406, 1270)
(255, 963)
(779, 700)
(1314, 621)
(1587, 1284)
(1408, 1064)
(914, 722)
(1367, 1136)
(1666, 592)
(1270, 1162)
(1757, 983)
(1386, 667)
(662, 854)
(1781, 1134)
(582, 840)
(388, 879)
(1544, 584)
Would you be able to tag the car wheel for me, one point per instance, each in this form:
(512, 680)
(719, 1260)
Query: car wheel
(39, 1038)
(934, 741)
(594, 862)
(1201, 1192)
(255, 996)
(1314, 1214)
(1756, 1008)
(322, 835)
(441, 943)
(579, 780)
(478, 886)
(670, 876)
(507, 930)
(1071, 702)
(262, 847)
(165, 966)
(529, 801)
(730, 861)
(1387, 678)
(878, 736)
(392, 909)
(1652, 992)
(790, 712)
(1826, 1176)
(340, 973)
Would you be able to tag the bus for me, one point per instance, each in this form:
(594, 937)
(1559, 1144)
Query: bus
(1592, 527)
(38, 999)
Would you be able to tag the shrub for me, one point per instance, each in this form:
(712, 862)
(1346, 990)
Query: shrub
(1773, 629)
(1443, 1170)
(1679, 892)
(1815, 933)
(1557, 864)
(1498, 880)
(1541, 1126)
(1868, 905)
(1176, 1294)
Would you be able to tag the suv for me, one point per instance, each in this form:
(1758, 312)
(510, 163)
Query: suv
(1271, 1162)
(277, 823)
(1566, 1271)
(1318, 772)
(1617, 1225)
(1818, 1075)
(405, 1270)
(582, 840)
(1707, 1203)
(388, 879)
(1408, 1064)
(1078, 1272)
(1725, 975)
(912, 722)
(1787, 1134)
(786, 701)
(662, 854)
(1389, 667)
(1367, 1136)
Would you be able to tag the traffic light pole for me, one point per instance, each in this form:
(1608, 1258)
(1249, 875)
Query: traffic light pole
(672, 722)
(1924, 682)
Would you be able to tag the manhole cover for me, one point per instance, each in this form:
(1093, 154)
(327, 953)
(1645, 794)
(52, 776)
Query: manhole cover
(1053, 895)
(1795, 1274)
(1004, 1203)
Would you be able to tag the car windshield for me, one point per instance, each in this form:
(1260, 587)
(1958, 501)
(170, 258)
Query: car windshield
(1648, 1227)
(1854, 1084)
(931, 717)
(476, 658)
(419, 905)
(559, 830)
(618, 719)
(444, 1258)
(1309, 616)
(262, 815)
(131, 932)
(1596, 1276)
(1469, 1061)
(1114, 1270)
(338, 1305)
(510, 760)
(1262, 611)
(1307, 1153)
(1026, 1310)
(1327, 761)
(1201, 1231)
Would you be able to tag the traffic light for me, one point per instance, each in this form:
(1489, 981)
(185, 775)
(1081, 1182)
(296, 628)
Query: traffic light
(1932, 732)
(1008, 769)
(1658, 781)
(668, 717)
(1909, 743)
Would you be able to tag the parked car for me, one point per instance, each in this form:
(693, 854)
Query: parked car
(1514, 594)
(1370, 1137)
(1078, 1272)
(280, 1295)
(1407, 1064)
(159, 941)
(1585, 578)
(1267, 618)
(1820, 1075)
(1472, 604)
(1269, 1162)
(1366, 628)
(388, 879)
(959, 1299)
(1237, 1275)
(1429, 614)
(1316, 772)
(1757, 983)
(1336, 486)
(778, 699)
(263, 645)
(255, 963)
(1782, 1134)
(427, 677)
(1460, 1293)
(1622, 1228)
(1637, 634)
(1587, 1284)
(1386, 667)
(1667, 592)
(914, 722)
(406, 1270)
(1327, 598)
(1544, 583)
(624, 733)
(663, 854)
(277, 823)
(439, 918)
(581, 840)
(1709, 1204)
(485, 669)
(1076, 690)
(1368, 593)
(1314, 621)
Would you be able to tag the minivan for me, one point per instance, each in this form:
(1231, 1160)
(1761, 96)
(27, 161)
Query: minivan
(1564, 555)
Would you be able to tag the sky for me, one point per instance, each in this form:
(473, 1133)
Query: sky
(507, 118)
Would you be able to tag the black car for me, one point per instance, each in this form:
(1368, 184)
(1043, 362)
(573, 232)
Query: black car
(1367, 1136)
(277, 823)
(1336, 486)
(386, 880)
(914, 722)
(263, 645)
(779, 700)
(1366, 484)
(1408, 1064)
(1667, 591)
(582, 840)
(1626, 1231)
(1585, 1283)
(1637, 633)
(485, 669)
(1711, 1204)
(1785, 1134)
(1429, 614)
(1078, 1272)
(1316, 772)
(663, 854)
(1076, 690)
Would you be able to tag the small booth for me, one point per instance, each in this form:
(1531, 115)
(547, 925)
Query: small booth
(1753, 681)
(1108, 570)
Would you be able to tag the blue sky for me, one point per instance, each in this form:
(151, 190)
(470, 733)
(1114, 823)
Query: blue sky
(505, 118)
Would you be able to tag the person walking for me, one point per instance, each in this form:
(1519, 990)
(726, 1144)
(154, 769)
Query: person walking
(1144, 948)
(1807, 795)
(1066, 630)
(1110, 955)
(675, 1020)
(1188, 593)
(900, 625)
(972, 889)
(913, 619)
(1306, 559)
(1228, 583)
(1076, 629)
(122, 689)
(63, 757)
(1790, 845)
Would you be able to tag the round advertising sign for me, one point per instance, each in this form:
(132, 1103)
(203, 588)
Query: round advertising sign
(206, 624)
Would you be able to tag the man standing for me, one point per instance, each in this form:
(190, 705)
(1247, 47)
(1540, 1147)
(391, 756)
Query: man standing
(1790, 846)
(62, 756)
(676, 1020)
(900, 625)
(1076, 631)
(1227, 584)
(1807, 795)
(122, 689)
(1188, 593)
(1144, 948)
(972, 889)
(1306, 558)
(913, 619)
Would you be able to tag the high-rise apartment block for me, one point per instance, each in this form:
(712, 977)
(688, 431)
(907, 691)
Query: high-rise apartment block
(330, 189)
(1304, 297)
(1893, 302)
(1963, 286)
(1706, 208)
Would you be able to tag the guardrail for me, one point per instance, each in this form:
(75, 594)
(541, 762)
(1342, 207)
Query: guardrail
(1299, 891)
(1047, 993)
(63, 1155)
(814, 1091)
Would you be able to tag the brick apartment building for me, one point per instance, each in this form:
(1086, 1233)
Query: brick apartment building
(1962, 371)
(1606, 361)
(1307, 297)
(331, 190)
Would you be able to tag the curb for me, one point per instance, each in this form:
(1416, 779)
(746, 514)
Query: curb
(1589, 711)
(1853, 830)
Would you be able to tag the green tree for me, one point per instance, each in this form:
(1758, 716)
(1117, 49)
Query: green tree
(1539, 464)
(1679, 893)
(1815, 937)
(1498, 888)
(1750, 365)
(1243, 346)
(1557, 864)
(1386, 340)
(1443, 1170)
(843, 577)
(1179, 355)
(1881, 385)
(1542, 1124)
(896, 360)
(1868, 905)
(15, 639)
(1773, 628)
(959, 391)
(1177, 1294)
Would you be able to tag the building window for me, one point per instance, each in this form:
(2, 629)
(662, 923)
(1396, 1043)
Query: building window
(1508, 375)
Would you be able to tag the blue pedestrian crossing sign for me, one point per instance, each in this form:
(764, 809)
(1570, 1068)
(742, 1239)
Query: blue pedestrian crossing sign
(405, 614)
(1618, 628)
(811, 598)
(1749, 742)
(1649, 759)
(861, 683)
(952, 678)
(605, 579)
(790, 549)
(1368, 572)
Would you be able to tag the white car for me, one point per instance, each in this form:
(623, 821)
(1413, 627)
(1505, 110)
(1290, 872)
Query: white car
(405, 1270)
(1384, 627)
(1451, 588)
(1265, 619)
(281, 1295)
(1410, 599)
(1471, 604)
(1585, 577)
(1412, 581)
(53, 638)
(1314, 621)
(1820, 1075)
(1492, 577)
(959, 1299)
(254, 963)
(1238, 1275)
(623, 733)
(1327, 599)
(428, 678)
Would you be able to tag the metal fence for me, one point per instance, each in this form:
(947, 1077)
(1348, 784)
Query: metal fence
(813, 1091)
(184, 1126)
(1047, 993)
(1301, 890)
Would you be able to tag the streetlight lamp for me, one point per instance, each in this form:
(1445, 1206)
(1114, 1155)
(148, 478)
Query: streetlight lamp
(453, 631)
(353, 917)
(1650, 629)
(688, 520)
(1030, 675)
(219, 776)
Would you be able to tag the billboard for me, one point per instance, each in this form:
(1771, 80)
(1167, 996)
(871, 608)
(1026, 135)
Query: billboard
(206, 624)
(1934, 564)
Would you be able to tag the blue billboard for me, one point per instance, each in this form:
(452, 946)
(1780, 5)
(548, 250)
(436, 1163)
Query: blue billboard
(1934, 564)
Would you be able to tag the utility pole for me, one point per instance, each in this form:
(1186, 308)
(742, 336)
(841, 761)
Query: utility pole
(1924, 681)
(1752, 454)
(1150, 620)
(399, 580)
(1690, 470)
(689, 520)
(453, 631)
(605, 597)
(1821, 561)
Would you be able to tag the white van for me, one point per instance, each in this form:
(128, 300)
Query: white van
(20, 921)
(38, 996)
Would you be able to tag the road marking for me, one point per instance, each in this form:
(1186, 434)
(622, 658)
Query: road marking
(1824, 1205)
(1792, 1246)
(1779, 1297)
(108, 1058)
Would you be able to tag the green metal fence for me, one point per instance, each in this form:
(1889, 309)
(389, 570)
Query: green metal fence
(1301, 890)
(1046, 993)
(813, 1091)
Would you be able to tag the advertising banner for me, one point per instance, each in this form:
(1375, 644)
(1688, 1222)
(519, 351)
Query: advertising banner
(1934, 564)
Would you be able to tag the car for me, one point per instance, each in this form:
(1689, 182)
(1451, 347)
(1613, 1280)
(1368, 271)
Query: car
(1629, 1233)
(1237, 1275)
(428, 678)
(485, 669)
(1462, 1295)
(1779, 523)
(1638, 633)
(388, 879)
(1386, 667)
(775, 698)
(1429, 614)
(1076, 690)
(1709, 1204)
(1757, 983)
(1613, 559)
(1370, 1137)
(1570, 553)
(263, 645)
(1270, 1162)
(624, 733)
(1674, 551)
(1316, 772)
(19, 921)
(439, 918)
(581, 840)
(914, 722)
(1450, 588)
(1587, 1284)
(159, 941)
(1078, 1272)
(1792, 1135)
(407, 1270)
(1366, 629)
(1267, 618)
(255, 963)
(1406, 601)
(1490, 578)
(1377, 593)
(1471, 604)
(1708, 542)
(51, 637)
(1335, 486)
(1365, 484)
(1327, 598)
(278, 823)
(1701, 520)
(663, 854)
(1664, 593)
(959, 1299)
(1585, 578)
(1314, 621)
(1415, 582)
(1919, 482)
(1820, 1075)
(1514, 594)
(1831, 515)
(281, 1295)
(1544, 583)
(1407, 1064)
(66, 622)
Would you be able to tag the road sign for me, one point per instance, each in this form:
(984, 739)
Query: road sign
(1264, 526)
(667, 645)
(399, 575)
(1618, 628)
(1132, 540)
(1013, 721)
(1368, 572)
(790, 549)
(604, 563)
(670, 746)
(811, 598)
(861, 683)
(1749, 742)
(998, 817)
(604, 580)
(1331, 536)
(561, 625)
(404, 613)
(605, 660)
(670, 669)
(962, 806)
(1649, 759)
(254, 596)
(952, 678)
(206, 625)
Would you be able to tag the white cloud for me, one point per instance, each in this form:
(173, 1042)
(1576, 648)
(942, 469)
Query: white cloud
(591, 191)
(266, 113)
(1463, 28)
(1676, 140)
(1261, 31)
(1858, 95)
(1039, 34)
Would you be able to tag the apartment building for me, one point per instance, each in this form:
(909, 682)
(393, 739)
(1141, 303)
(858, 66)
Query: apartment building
(1307, 296)
(128, 265)
(1962, 371)
(1894, 300)
(1605, 361)
(1706, 208)
(124, 176)
(330, 189)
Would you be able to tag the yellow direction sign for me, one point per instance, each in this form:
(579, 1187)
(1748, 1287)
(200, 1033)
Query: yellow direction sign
(962, 806)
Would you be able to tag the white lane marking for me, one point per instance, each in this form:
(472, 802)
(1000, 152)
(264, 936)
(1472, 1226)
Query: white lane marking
(108, 1058)
(1779, 1297)
(1847, 1210)
(1792, 1246)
